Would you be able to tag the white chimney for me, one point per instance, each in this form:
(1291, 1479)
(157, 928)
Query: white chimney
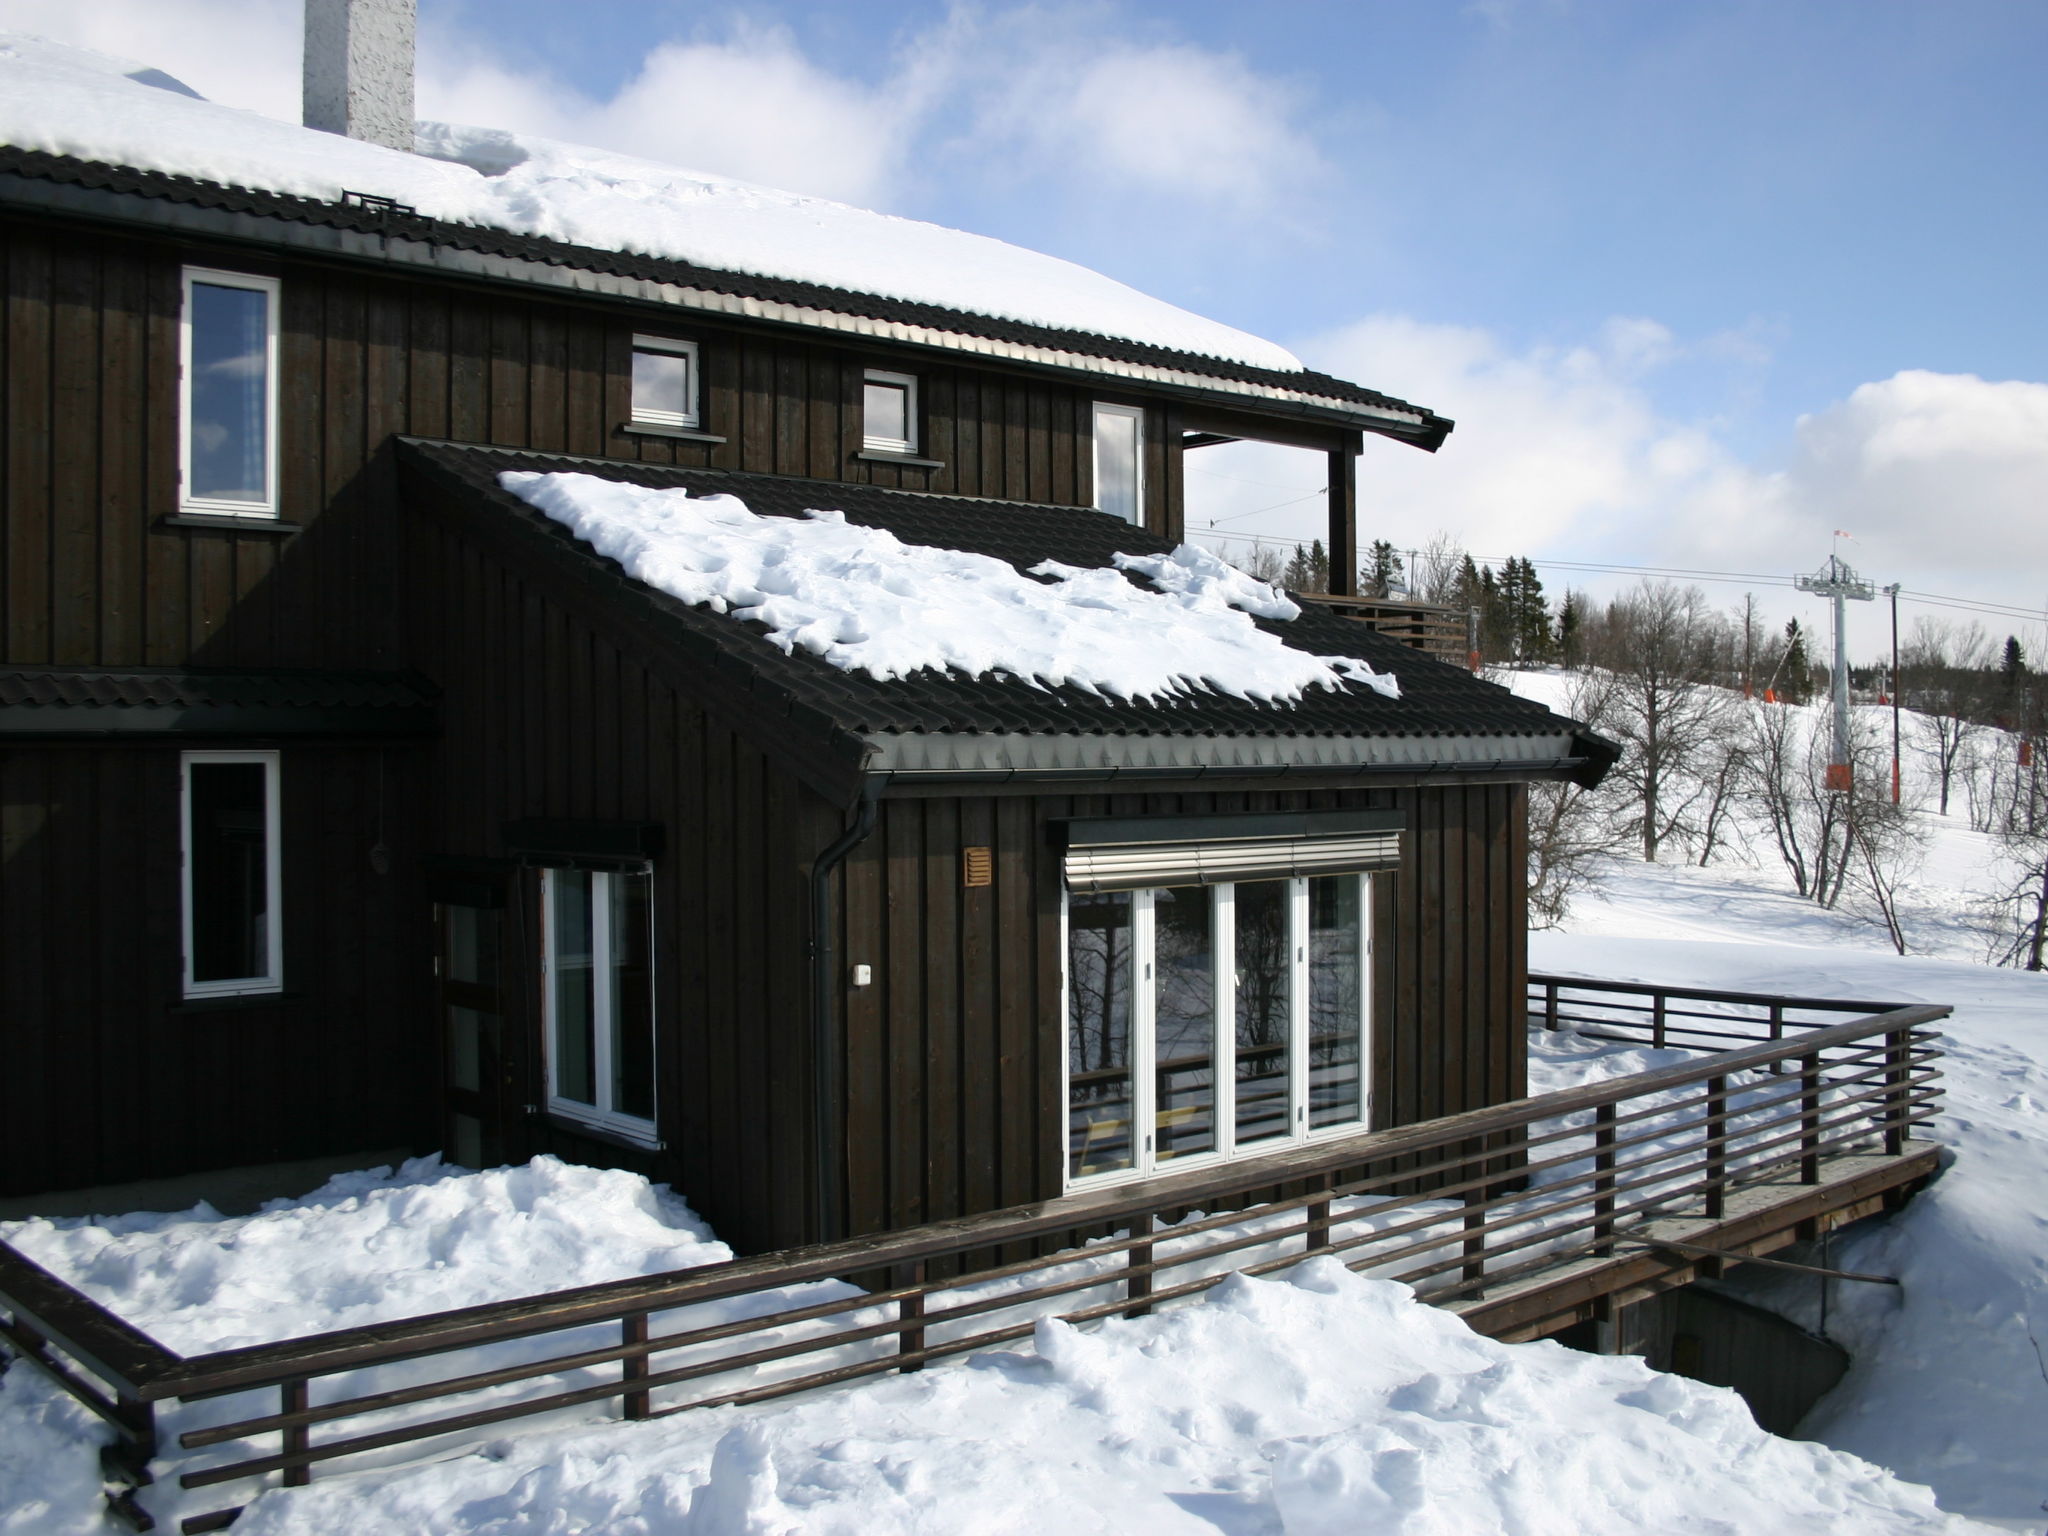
(358, 69)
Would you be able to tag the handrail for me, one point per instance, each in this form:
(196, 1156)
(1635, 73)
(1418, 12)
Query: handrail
(1685, 1133)
(1710, 994)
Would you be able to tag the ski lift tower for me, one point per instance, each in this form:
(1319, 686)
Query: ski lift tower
(1840, 583)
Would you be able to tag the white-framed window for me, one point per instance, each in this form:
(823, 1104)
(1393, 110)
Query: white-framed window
(227, 397)
(1120, 461)
(888, 419)
(598, 986)
(228, 835)
(1208, 1022)
(665, 382)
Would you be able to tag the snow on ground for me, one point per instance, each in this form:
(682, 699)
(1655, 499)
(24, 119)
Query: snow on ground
(863, 600)
(72, 101)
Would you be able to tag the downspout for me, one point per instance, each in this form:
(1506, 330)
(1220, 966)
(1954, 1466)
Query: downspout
(825, 1048)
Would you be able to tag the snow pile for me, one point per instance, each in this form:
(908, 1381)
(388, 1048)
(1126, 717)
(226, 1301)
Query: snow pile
(71, 101)
(863, 600)
(368, 1247)
(1311, 1405)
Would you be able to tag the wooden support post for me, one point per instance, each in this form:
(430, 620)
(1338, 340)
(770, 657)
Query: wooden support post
(1475, 1243)
(1809, 1118)
(1777, 1034)
(1603, 1179)
(129, 1456)
(638, 1404)
(1343, 540)
(1657, 1021)
(1550, 1005)
(1318, 1235)
(1898, 1078)
(910, 1312)
(1717, 1146)
(294, 1398)
(1137, 1285)
(1606, 1326)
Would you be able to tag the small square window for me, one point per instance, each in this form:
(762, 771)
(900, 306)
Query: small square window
(889, 412)
(228, 394)
(233, 932)
(1120, 461)
(665, 382)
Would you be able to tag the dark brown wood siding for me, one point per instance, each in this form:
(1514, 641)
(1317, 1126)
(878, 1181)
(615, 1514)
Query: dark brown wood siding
(110, 1078)
(546, 716)
(953, 1053)
(90, 444)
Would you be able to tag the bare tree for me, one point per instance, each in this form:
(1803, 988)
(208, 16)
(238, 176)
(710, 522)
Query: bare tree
(1436, 572)
(1573, 830)
(1943, 675)
(1661, 641)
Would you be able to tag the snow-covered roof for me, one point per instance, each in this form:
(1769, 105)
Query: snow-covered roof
(863, 599)
(77, 103)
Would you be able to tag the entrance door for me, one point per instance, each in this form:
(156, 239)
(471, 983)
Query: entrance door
(483, 1105)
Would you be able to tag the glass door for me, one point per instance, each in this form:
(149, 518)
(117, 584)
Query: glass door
(482, 1101)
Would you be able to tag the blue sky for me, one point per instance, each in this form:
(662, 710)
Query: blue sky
(1701, 282)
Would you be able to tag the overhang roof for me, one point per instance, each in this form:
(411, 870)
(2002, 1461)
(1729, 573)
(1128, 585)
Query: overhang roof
(951, 726)
(202, 701)
(371, 229)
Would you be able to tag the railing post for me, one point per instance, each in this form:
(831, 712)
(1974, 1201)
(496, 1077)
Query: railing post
(637, 1404)
(1898, 1075)
(294, 1398)
(1777, 1034)
(910, 1313)
(1475, 1243)
(1657, 1021)
(1603, 1180)
(1138, 1266)
(1717, 1146)
(1318, 1235)
(1550, 1005)
(1809, 1118)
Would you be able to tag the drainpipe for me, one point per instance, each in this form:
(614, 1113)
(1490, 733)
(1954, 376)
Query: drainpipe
(825, 1047)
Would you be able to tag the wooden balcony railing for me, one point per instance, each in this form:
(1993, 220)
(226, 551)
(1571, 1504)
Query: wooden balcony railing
(1505, 1214)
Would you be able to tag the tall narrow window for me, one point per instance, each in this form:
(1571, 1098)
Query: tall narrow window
(233, 933)
(1100, 1090)
(665, 382)
(1120, 461)
(888, 412)
(228, 399)
(1265, 1013)
(600, 998)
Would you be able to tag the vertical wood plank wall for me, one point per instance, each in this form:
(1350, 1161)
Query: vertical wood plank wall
(544, 716)
(89, 373)
(953, 1054)
(106, 1079)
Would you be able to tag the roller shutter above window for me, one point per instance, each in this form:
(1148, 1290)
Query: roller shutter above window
(1138, 853)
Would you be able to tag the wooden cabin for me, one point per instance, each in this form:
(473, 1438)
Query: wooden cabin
(351, 803)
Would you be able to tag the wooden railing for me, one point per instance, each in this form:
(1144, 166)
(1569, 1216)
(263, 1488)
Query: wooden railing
(1463, 1208)
(1427, 627)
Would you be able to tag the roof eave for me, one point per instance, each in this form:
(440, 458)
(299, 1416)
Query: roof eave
(1183, 375)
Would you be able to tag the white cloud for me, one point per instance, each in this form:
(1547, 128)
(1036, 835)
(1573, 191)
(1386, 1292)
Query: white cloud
(1564, 452)
(1090, 104)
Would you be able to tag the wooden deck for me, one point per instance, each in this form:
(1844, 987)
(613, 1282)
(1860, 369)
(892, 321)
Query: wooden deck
(1525, 1218)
